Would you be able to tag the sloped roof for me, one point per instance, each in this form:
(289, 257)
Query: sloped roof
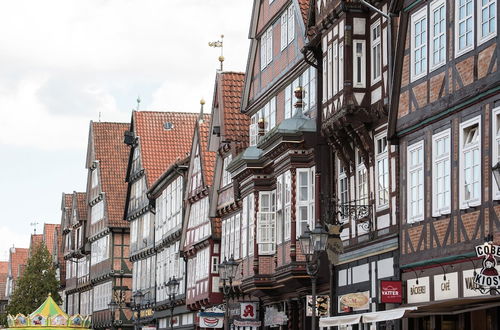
(17, 258)
(207, 157)
(81, 202)
(235, 123)
(112, 155)
(48, 236)
(304, 10)
(66, 209)
(36, 239)
(161, 148)
(4, 271)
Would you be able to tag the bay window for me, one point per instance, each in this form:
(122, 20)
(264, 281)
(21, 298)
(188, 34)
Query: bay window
(359, 64)
(266, 224)
(283, 207)
(305, 199)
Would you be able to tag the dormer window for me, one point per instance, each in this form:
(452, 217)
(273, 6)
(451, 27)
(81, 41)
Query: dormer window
(136, 161)
(196, 171)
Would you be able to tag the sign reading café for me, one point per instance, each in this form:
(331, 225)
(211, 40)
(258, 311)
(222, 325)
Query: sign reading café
(488, 276)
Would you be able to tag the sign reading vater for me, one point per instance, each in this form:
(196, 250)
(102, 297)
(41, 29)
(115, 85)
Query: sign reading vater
(391, 292)
(488, 277)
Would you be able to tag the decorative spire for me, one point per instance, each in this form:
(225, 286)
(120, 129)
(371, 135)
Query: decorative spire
(138, 102)
(219, 44)
(200, 118)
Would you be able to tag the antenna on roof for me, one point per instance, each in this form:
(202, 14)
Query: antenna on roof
(219, 44)
(138, 102)
(99, 116)
(33, 224)
(200, 118)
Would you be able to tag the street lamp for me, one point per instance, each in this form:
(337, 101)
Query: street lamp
(172, 290)
(112, 308)
(138, 297)
(227, 272)
(312, 243)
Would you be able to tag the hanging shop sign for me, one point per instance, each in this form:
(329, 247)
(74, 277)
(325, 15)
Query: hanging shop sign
(248, 310)
(354, 301)
(322, 306)
(471, 288)
(418, 290)
(488, 276)
(391, 292)
(446, 286)
(273, 317)
(214, 319)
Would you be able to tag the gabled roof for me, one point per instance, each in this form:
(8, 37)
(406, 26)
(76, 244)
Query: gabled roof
(112, 154)
(4, 271)
(17, 259)
(66, 204)
(82, 207)
(35, 240)
(207, 157)
(48, 236)
(234, 123)
(161, 148)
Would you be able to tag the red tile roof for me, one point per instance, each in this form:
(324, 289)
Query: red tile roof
(161, 148)
(304, 10)
(36, 239)
(48, 236)
(17, 258)
(4, 271)
(207, 157)
(66, 209)
(235, 124)
(82, 207)
(112, 155)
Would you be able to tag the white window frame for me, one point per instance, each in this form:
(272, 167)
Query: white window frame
(374, 44)
(335, 68)
(342, 177)
(362, 195)
(483, 38)
(362, 58)
(495, 153)
(421, 18)
(437, 160)
(266, 48)
(284, 30)
(459, 51)
(266, 224)
(307, 202)
(437, 5)
(330, 73)
(417, 169)
(464, 204)
(291, 23)
(384, 156)
(226, 175)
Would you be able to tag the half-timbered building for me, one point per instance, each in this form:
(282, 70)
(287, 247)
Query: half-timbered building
(274, 177)
(107, 277)
(156, 140)
(199, 241)
(446, 119)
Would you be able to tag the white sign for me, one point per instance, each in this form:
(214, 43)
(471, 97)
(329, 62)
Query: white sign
(446, 288)
(488, 276)
(471, 288)
(248, 311)
(418, 292)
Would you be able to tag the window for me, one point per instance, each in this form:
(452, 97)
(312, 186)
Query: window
(438, 33)
(254, 130)
(97, 212)
(99, 250)
(325, 76)
(308, 82)
(283, 207)
(266, 48)
(266, 226)
(330, 74)
(382, 172)
(487, 15)
(376, 52)
(198, 220)
(470, 163)
(133, 231)
(267, 115)
(94, 185)
(495, 148)
(441, 173)
(137, 194)
(146, 219)
(415, 178)
(196, 180)
(102, 296)
(419, 44)
(343, 193)
(287, 27)
(335, 68)
(247, 231)
(226, 175)
(359, 65)
(305, 199)
(236, 235)
(464, 26)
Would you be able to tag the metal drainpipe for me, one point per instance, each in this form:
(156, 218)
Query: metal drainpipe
(388, 16)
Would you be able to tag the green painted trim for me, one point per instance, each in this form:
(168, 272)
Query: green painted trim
(413, 4)
(439, 260)
(447, 111)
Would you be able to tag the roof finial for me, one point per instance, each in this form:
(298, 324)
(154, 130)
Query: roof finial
(99, 116)
(219, 44)
(200, 118)
(138, 102)
(33, 224)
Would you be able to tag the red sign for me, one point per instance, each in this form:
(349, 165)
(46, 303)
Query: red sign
(391, 292)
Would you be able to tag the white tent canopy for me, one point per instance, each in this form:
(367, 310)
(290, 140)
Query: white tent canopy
(391, 314)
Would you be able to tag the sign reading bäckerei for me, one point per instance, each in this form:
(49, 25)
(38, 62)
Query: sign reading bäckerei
(488, 276)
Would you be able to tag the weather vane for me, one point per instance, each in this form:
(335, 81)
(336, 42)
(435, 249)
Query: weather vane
(219, 44)
(138, 102)
(33, 224)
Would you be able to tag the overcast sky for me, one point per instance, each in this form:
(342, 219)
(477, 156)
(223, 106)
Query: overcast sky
(64, 62)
